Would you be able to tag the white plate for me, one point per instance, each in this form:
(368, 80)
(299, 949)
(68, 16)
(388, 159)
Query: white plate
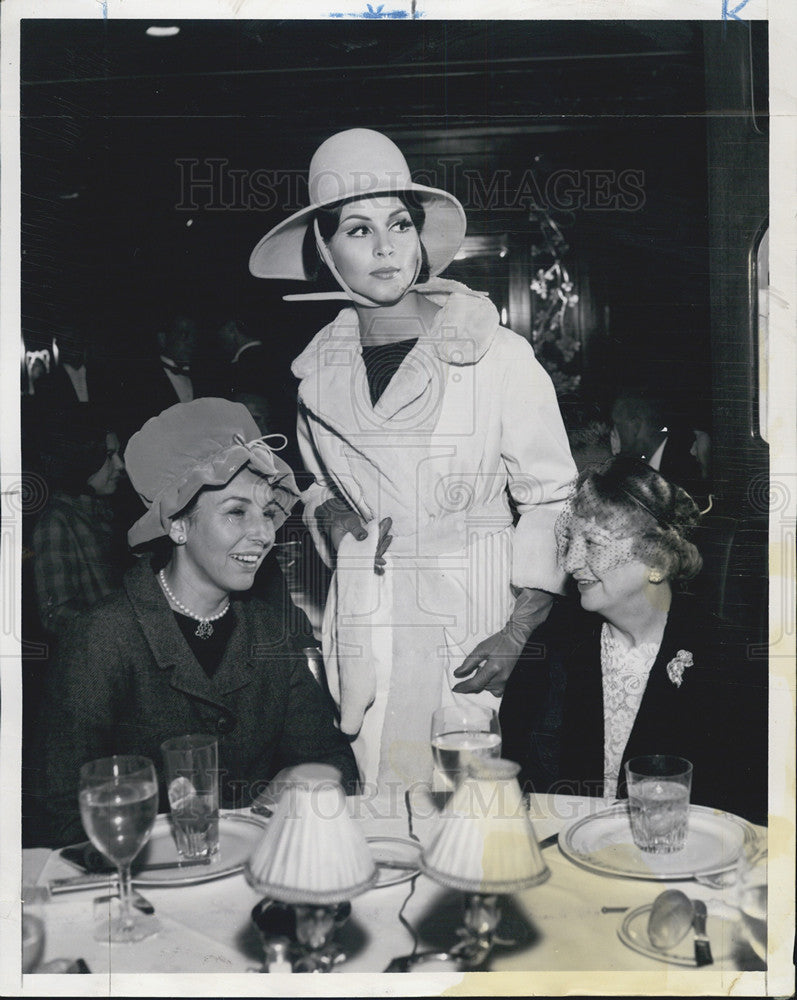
(238, 837)
(633, 932)
(603, 843)
(387, 849)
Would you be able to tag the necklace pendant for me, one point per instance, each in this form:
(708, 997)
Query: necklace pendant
(204, 630)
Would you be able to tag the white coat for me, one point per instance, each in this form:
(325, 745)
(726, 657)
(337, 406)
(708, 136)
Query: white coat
(469, 412)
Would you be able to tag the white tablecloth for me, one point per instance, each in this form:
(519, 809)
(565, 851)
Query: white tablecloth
(207, 927)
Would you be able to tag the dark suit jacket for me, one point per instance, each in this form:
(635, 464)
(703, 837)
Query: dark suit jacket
(145, 391)
(252, 372)
(57, 390)
(126, 680)
(56, 394)
(680, 466)
(552, 713)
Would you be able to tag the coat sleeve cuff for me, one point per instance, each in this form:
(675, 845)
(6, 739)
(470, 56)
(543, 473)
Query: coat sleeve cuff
(534, 561)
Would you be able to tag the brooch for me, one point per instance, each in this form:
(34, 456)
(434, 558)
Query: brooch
(679, 663)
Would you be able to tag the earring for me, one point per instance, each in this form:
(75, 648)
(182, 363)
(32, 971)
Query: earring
(181, 539)
(655, 576)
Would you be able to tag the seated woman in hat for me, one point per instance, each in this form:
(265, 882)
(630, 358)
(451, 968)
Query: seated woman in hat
(180, 649)
(417, 410)
(639, 669)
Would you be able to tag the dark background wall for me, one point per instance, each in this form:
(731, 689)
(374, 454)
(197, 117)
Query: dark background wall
(607, 126)
(645, 142)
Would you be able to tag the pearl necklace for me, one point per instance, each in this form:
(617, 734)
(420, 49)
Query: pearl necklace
(204, 629)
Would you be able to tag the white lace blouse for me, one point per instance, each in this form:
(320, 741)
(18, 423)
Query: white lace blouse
(625, 672)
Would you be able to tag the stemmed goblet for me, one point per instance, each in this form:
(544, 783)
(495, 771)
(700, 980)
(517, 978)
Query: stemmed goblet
(118, 805)
(462, 733)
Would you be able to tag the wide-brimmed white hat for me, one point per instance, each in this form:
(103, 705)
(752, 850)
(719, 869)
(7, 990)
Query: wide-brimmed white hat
(355, 164)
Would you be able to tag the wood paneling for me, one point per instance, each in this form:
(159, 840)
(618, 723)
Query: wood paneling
(738, 165)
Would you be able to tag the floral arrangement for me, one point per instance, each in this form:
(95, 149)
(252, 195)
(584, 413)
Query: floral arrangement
(552, 337)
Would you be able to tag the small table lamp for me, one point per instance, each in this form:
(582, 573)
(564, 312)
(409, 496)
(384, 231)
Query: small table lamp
(314, 858)
(484, 846)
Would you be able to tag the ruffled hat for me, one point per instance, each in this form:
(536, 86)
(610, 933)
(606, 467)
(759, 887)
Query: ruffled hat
(191, 445)
(355, 164)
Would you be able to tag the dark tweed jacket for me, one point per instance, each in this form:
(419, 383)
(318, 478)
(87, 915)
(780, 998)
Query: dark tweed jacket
(126, 680)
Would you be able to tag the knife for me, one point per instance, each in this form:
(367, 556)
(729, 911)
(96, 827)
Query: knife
(93, 879)
(702, 943)
(548, 841)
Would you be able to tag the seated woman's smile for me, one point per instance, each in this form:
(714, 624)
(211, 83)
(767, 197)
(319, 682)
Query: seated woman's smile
(224, 541)
(604, 567)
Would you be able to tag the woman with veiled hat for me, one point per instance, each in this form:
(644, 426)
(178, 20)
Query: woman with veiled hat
(180, 649)
(417, 410)
(641, 668)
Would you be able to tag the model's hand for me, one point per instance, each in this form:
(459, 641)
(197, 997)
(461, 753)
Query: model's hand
(489, 665)
(335, 518)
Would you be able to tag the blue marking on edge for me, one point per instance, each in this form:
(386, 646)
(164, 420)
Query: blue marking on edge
(731, 15)
(104, 4)
(377, 13)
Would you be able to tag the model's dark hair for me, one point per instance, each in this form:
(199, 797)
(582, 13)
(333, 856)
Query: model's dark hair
(328, 222)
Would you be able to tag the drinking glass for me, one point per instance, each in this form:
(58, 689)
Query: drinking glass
(751, 889)
(32, 942)
(658, 801)
(461, 734)
(191, 766)
(118, 805)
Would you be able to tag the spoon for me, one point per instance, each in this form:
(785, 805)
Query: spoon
(670, 919)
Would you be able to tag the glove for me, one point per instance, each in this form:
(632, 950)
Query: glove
(335, 518)
(494, 658)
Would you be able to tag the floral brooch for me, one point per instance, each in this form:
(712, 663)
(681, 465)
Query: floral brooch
(679, 663)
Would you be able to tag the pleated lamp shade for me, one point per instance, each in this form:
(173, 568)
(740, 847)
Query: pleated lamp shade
(484, 841)
(312, 850)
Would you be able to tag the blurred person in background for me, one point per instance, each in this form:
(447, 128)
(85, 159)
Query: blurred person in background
(246, 359)
(71, 380)
(79, 553)
(160, 377)
(587, 433)
(644, 427)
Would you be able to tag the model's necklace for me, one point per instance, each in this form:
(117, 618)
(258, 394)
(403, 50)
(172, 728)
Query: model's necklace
(204, 629)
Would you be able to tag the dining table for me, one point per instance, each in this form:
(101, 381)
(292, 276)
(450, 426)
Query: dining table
(577, 921)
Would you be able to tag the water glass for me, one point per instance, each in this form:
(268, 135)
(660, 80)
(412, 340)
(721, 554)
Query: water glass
(118, 804)
(32, 942)
(658, 801)
(461, 734)
(751, 890)
(191, 766)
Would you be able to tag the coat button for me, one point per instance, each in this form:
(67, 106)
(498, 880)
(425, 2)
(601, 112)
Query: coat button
(225, 724)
